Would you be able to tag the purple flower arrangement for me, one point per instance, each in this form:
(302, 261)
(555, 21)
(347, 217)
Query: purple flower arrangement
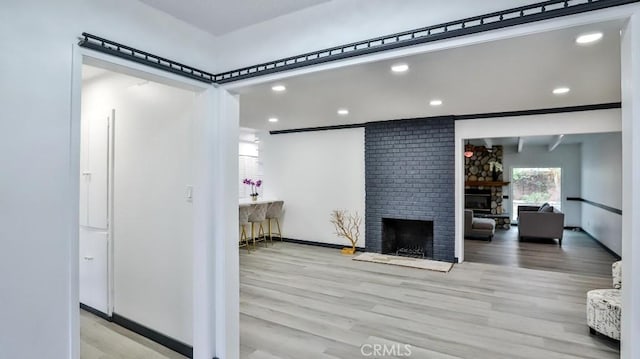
(254, 186)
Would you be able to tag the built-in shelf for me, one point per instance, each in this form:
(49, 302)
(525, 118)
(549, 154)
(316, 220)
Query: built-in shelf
(485, 183)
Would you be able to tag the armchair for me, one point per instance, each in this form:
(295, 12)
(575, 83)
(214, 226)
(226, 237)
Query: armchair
(604, 306)
(478, 227)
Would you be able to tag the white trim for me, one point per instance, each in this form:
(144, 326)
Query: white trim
(630, 73)
(74, 203)
(204, 272)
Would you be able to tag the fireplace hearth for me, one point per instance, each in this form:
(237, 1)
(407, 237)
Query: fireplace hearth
(408, 238)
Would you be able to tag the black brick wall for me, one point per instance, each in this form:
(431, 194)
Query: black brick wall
(409, 174)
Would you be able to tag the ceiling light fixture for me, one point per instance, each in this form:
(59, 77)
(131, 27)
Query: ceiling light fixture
(399, 68)
(588, 38)
(278, 88)
(343, 112)
(273, 119)
(468, 150)
(561, 90)
(435, 102)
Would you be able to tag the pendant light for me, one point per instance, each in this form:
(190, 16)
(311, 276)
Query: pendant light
(468, 150)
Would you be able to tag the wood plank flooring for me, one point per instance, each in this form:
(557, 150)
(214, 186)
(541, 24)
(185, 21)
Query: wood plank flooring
(100, 339)
(300, 301)
(579, 254)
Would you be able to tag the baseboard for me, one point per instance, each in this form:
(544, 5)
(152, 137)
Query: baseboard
(614, 254)
(95, 312)
(171, 343)
(321, 244)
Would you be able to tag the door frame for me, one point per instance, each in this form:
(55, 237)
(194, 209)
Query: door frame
(215, 333)
(630, 112)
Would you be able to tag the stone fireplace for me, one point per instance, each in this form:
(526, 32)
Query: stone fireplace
(484, 186)
(405, 237)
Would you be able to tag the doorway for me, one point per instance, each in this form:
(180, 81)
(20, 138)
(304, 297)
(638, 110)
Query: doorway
(136, 215)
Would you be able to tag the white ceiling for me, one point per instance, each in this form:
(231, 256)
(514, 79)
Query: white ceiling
(570, 139)
(91, 72)
(219, 17)
(513, 74)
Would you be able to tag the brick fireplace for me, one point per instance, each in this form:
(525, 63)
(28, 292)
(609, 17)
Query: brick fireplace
(409, 176)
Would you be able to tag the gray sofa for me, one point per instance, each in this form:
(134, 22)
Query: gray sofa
(536, 222)
(478, 227)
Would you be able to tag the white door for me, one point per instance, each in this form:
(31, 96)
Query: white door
(95, 204)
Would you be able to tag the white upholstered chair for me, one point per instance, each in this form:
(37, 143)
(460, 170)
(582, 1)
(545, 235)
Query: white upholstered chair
(273, 214)
(256, 218)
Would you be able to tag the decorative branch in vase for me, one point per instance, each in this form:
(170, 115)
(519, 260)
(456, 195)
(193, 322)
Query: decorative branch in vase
(348, 226)
(254, 187)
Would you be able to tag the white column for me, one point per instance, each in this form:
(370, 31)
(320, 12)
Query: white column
(630, 346)
(215, 200)
(225, 190)
(459, 197)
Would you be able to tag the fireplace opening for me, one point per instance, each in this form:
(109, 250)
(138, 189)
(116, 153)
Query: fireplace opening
(408, 238)
(477, 199)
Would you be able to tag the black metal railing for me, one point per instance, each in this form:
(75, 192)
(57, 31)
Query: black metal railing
(495, 20)
(500, 19)
(126, 52)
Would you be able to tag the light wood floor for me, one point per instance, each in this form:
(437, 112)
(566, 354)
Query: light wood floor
(100, 339)
(300, 301)
(579, 254)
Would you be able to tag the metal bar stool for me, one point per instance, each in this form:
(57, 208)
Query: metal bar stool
(258, 216)
(244, 212)
(273, 213)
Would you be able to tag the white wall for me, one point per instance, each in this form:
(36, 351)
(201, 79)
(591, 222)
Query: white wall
(152, 219)
(315, 173)
(602, 183)
(38, 225)
(565, 156)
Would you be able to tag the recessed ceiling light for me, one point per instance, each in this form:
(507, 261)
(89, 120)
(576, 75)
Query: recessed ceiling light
(398, 68)
(343, 112)
(278, 88)
(588, 38)
(273, 119)
(435, 102)
(561, 90)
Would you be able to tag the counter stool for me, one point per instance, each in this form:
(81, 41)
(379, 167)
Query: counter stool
(244, 212)
(257, 216)
(273, 213)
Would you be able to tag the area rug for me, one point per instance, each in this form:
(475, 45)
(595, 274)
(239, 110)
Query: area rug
(404, 261)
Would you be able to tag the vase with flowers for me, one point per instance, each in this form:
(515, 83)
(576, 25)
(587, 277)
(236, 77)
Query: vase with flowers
(496, 168)
(254, 187)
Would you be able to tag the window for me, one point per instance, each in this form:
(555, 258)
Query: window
(535, 186)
